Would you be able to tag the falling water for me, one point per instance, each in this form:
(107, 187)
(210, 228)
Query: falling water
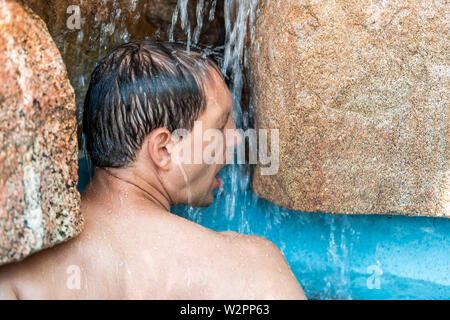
(239, 16)
(181, 10)
(198, 27)
(212, 12)
(186, 181)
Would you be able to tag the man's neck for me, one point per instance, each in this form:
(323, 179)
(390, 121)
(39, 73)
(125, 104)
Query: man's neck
(148, 188)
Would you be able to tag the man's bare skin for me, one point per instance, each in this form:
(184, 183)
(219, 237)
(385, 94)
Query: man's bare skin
(132, 247)
(177, 259)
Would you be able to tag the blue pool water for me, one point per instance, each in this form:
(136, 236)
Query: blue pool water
(336, 256)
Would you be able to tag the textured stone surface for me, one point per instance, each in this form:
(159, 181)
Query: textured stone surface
(39, 203)
(360, 93)
(105, 25)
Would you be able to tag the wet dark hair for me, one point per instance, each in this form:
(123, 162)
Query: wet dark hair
(139, 87)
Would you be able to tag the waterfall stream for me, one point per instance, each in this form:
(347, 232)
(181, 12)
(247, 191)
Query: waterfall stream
(239, 16)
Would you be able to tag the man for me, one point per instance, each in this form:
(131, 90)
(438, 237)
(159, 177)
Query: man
(132, 247)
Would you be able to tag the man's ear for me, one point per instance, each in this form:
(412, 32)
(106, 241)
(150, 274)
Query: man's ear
(158, 146)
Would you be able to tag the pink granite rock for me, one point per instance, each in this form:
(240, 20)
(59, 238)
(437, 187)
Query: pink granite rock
(359, 90)
(39, 203)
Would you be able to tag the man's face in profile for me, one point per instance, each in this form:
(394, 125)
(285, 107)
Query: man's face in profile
(166, 124)
(207, 144)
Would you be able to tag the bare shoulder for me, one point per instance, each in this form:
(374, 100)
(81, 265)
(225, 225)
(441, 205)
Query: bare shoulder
(264, 267)
(38, 275)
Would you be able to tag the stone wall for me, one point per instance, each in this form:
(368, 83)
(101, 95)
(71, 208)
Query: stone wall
(360, 93)
(39, 203)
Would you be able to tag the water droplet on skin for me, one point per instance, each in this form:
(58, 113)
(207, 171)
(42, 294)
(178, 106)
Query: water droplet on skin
(186, 180)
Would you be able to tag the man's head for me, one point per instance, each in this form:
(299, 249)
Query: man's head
(139, 96)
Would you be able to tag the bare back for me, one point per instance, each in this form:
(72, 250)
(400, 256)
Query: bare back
(135, 252)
